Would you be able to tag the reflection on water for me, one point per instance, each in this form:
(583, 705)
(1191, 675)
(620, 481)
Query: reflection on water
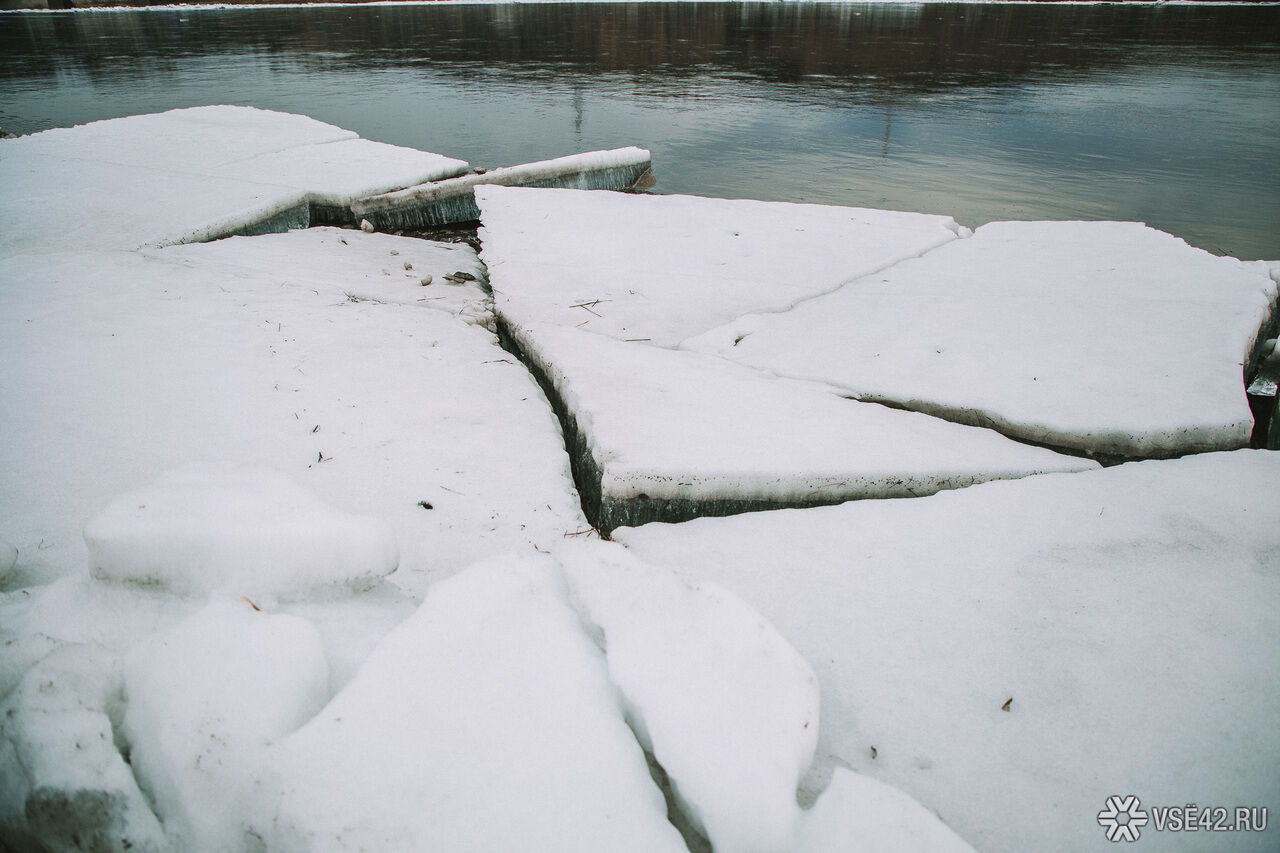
(1169, 115)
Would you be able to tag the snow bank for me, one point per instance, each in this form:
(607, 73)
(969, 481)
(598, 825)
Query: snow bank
(670, 435)
(62, 779)
(484, 722)
(1129, 614)
(190, 175)
(663, 268)
(723, 703)
(204, 699)
(248, 532)
(1108, 337)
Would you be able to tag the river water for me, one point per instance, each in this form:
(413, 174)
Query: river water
(1168, 114)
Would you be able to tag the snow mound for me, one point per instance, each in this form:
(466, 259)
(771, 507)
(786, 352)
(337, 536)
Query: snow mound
(62, 779)
(857, 814)
(1014, 653)
(1106, 337)
(249, 532)
(484, 722)
(663, 268)
(204, 699)
(725, 705)
(667, 434)
(190, 175)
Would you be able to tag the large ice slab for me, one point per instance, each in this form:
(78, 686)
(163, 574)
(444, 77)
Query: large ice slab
(1106, 337)
(190, 175)
(670, 435)
(663, 268)
(484, 722)
(1125, 618)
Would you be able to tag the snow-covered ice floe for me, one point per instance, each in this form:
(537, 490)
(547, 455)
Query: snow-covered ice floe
(659, 434)
(190, 175)
(1014, 653)
(663, 268)
(1103, 337)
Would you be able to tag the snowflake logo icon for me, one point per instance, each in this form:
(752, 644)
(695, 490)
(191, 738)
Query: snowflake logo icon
(1123, 818)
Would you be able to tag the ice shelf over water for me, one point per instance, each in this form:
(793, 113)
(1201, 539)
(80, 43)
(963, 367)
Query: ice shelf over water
(668, 435)
(1128, 619)
(1104, 337)
(190, 175)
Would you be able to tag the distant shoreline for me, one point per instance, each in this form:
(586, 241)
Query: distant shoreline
(131, 5)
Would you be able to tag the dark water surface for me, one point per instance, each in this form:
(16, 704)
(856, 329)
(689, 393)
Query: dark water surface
(1165, 114)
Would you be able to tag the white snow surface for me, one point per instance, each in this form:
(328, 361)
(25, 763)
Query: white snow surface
(255, 532)
(204, 699)
(485, 722)
(723, 703)
(676, 424)
(187, 175)
(1109, 337)
(1130, 614)
(664, 268)
(314, 354)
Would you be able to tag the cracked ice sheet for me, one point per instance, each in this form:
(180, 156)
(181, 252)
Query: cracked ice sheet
(682, 425)
(730, 711)
(116, 367)
(663, 268)
(486, 722)
(1107, 337)
(187, 175)
(1130, 614)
